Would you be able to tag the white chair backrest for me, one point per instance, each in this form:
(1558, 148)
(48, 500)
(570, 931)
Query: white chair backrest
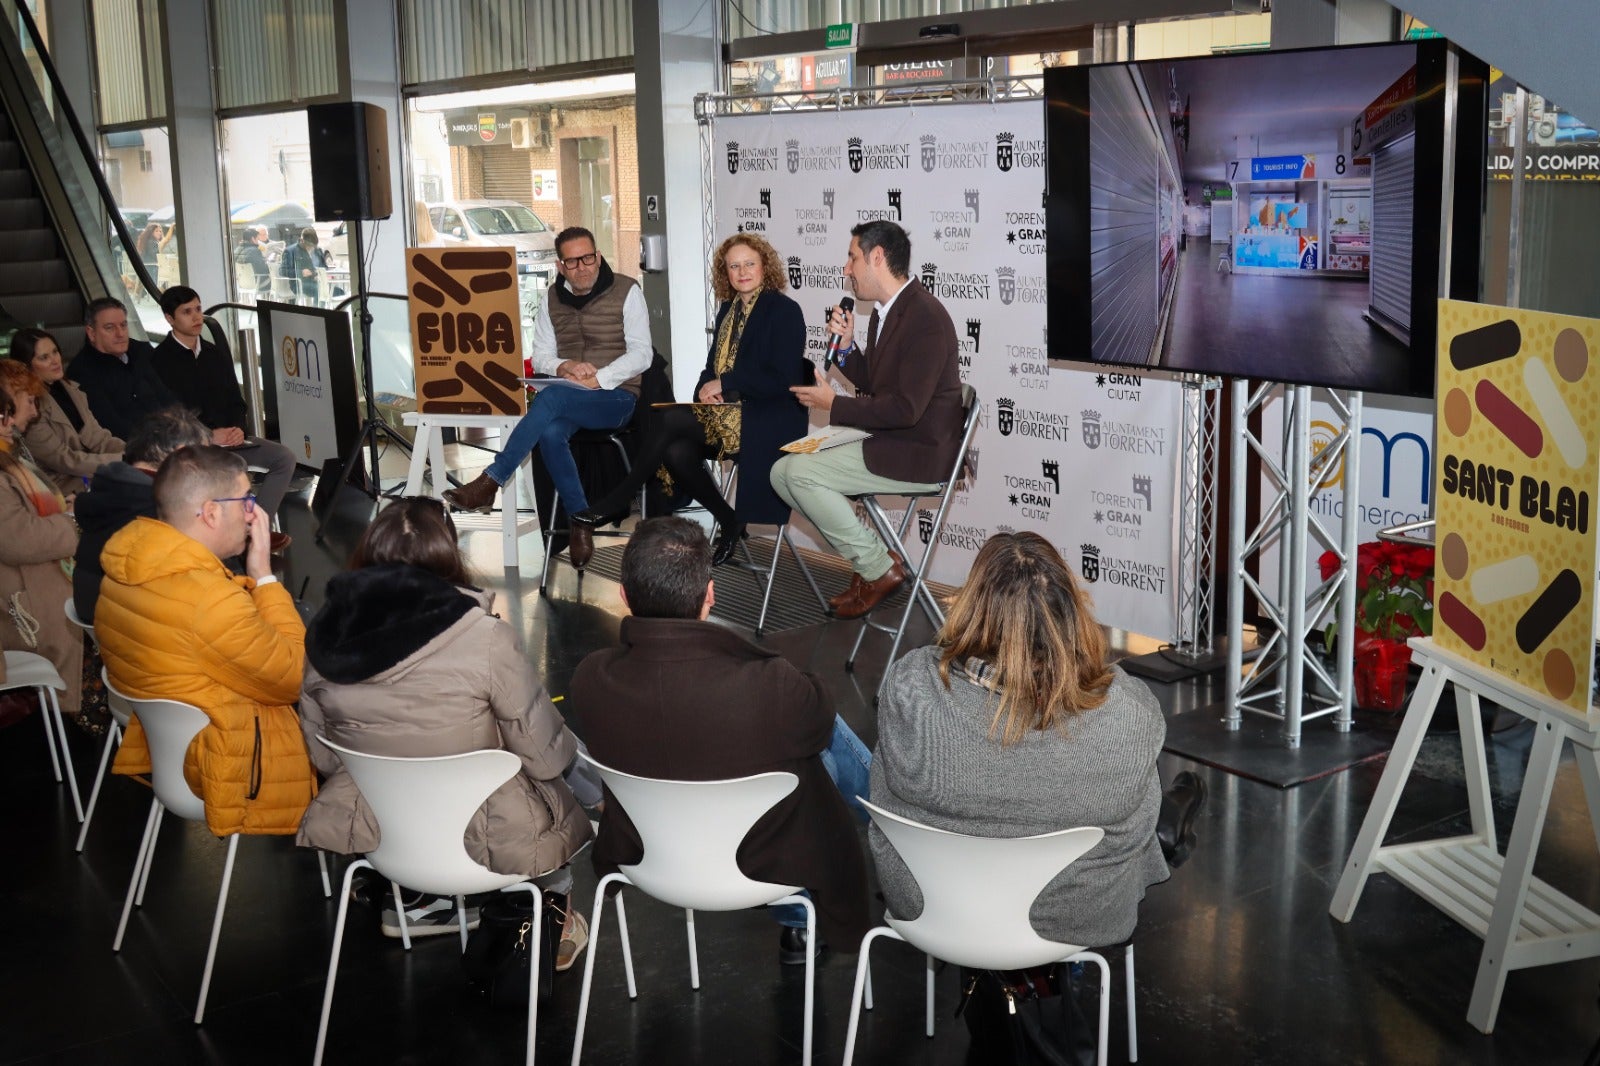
(976, 891)
(423, 806)
(117, 701)
(692, 831)
(72, 616)
(169, 728)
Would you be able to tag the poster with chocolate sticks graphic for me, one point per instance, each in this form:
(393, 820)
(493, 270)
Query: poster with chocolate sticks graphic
(1519, 467)
(466, 333)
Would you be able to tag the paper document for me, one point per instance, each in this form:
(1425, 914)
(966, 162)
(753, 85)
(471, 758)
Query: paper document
(540, 384)
(823, 439)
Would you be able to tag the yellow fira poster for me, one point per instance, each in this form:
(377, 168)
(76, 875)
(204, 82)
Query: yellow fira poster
(1519, 466)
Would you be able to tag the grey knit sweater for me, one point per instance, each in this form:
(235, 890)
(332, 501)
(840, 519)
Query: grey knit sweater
(935, 763)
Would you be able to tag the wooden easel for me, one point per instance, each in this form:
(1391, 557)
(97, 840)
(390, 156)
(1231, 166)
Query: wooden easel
(1522, 921)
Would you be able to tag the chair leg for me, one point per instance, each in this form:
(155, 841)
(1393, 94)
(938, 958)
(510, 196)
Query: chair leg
(113, 737)
(537, 930)
(149, 861)
(772, 573)
(216, 928)
(928, 970)
(694, 954)
(863, 983)
(461, 923)
(152, 824)
(1133, 1025)
(400, 914)
(1105, 997)
(327, 886)
(627, 948)
(811, 973)
(49, 733)
(66, 753)
(333, 958)
(594, 950)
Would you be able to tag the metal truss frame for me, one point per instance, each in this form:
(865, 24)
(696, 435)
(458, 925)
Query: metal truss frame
(1274, 683)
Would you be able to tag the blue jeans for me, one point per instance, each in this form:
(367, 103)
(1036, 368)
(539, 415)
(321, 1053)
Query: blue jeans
(553, 417)
(849, 763)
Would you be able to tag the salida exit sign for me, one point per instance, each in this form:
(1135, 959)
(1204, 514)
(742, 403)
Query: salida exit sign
(841, 35)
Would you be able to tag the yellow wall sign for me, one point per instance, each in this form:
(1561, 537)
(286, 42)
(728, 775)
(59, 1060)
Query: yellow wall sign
(1519, 467)
(466, 330)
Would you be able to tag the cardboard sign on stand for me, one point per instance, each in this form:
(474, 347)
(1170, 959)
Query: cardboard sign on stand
(466, 333)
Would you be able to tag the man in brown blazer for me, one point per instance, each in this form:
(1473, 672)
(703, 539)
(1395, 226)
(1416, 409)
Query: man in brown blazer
(685, 699)
(908, 395)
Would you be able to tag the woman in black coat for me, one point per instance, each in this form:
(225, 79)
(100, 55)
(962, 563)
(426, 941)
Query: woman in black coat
(744, 408)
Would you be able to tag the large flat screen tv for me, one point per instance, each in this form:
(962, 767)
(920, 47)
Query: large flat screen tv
(1270, 215)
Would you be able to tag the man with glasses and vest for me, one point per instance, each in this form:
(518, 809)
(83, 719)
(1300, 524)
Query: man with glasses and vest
(175, 623)
(593, 330)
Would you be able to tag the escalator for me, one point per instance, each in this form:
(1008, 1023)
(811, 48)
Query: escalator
(64, 242)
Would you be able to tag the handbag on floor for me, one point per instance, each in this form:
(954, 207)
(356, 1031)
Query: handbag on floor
(497, 958)
(1025, 1017)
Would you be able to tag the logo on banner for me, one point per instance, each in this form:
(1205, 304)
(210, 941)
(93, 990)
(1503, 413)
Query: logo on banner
(953, 535)
(890, 214)
(1089, 427)
(1129, 437)
(974, 331)
(751, 159)
(972, 203)
(486, 127)
(969, 469)
(930, 159)
(302, 367)
(1120, 386)
(1027, 422)
(827, 202)
(1029, 366)
(1120, 516)
(894, 204)
(791, 155)
(1023, 288)
(1141, 487)
(813, 275)
(796, 276)
(890, 155)
(1006, 281)
(853, 153)
(1034, 495)
(954, 284)
(1089, 562)
(1010, 152)
(1051, 468)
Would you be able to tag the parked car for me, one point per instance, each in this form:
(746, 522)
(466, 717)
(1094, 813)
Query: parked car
(496, 222)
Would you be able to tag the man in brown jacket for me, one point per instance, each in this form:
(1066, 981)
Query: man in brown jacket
(593, 330)
(689, 700)
(908, 394)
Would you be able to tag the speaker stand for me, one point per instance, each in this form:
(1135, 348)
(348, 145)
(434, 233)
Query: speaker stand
(373, 428)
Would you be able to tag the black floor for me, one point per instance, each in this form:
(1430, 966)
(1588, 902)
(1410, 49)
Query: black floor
(1284, 328)
(1238, 960)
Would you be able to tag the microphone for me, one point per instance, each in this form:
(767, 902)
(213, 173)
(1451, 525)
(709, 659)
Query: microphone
(837, 340)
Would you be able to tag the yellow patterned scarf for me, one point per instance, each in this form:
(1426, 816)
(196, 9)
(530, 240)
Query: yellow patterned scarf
(721, 422)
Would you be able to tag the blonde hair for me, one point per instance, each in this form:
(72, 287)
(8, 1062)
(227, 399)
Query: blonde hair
(772, 272)
(1023, 613)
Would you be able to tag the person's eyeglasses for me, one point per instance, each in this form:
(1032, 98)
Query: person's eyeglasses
(248, 499)
(580, 260)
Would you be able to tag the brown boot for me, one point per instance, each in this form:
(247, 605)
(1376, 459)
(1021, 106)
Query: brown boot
(836, 602)
(874, 592)
(580, 542)
(476, 495)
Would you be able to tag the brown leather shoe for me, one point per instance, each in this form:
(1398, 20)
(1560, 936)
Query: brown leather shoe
(836, 602)
(476, 495)
(580, 542)
(279, 543)
(873, 593)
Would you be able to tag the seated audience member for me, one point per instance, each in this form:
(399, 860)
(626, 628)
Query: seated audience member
(1014, 724)
(175, 624)
(115, 371)
(404, 659)
(202, 377)
(249, 253)
(686, 699)
(65, 440)
(37, 539)
(124, 490)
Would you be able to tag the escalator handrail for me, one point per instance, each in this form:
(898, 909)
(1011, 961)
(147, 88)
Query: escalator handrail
(118, 223)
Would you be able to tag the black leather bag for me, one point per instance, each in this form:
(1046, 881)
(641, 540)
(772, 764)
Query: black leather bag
(1025, 1018)
(498, 952)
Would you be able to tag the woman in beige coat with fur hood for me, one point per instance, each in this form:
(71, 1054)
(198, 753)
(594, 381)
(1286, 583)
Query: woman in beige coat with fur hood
(404, 659)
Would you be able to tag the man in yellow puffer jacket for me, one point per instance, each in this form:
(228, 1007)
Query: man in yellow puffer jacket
(174, 623)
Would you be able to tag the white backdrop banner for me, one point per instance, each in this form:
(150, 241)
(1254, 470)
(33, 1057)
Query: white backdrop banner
(1088, 460)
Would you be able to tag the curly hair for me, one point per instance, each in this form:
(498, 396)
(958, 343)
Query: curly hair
(772, 273)
(17, 378)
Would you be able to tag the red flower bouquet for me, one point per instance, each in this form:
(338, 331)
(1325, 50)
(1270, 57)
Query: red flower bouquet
(1394, 601)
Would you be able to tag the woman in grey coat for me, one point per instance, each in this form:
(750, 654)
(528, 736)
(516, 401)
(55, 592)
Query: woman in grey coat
(1014, 724)
(404, 659)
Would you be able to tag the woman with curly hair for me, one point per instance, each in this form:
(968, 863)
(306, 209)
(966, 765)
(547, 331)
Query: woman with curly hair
(744, 409)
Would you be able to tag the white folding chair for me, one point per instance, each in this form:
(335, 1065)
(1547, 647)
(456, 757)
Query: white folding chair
(24, 669)
(169, 728)
(691, 832)
(976, 893)
(121, 713)
(727, 480)
(893, 537)
(422, 807)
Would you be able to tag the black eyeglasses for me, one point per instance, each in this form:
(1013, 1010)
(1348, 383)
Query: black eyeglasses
(580, 260)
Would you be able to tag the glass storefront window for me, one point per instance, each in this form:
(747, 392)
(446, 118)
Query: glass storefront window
(137, 164)
(266, 170)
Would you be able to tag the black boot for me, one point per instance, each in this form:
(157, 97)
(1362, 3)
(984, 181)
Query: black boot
(1180, 804)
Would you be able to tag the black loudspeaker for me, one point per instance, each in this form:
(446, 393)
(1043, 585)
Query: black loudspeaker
(349, 161)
